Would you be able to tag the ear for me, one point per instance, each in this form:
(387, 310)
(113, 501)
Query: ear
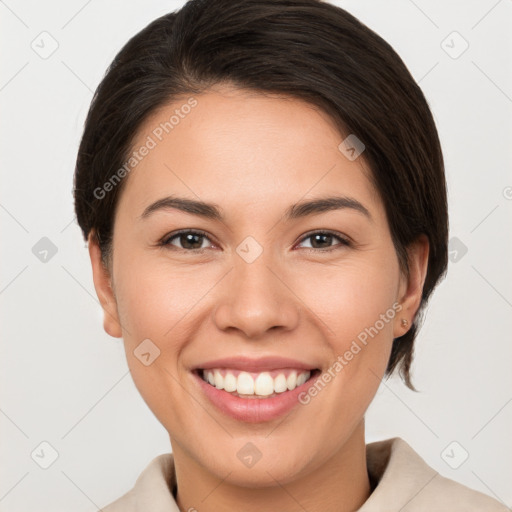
(411, 289)
(104, 291)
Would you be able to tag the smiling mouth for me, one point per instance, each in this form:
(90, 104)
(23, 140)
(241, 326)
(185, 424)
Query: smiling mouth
(256, 385)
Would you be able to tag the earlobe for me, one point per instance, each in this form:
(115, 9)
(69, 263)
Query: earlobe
(411, 289)
(104, 291)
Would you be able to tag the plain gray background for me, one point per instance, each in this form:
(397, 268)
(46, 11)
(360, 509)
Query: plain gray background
(65, 382)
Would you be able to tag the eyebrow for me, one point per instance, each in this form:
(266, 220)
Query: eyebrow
(295, 211)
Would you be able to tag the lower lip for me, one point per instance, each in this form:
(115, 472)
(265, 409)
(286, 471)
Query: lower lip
(254, 410)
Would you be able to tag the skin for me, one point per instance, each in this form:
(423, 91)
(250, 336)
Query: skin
(254, 155)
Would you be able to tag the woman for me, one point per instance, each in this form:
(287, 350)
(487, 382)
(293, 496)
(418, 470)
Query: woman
(262, 189)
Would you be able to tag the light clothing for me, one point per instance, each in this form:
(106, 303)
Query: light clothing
(404, 483)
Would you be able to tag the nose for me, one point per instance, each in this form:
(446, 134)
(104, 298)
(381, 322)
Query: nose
(256, 298)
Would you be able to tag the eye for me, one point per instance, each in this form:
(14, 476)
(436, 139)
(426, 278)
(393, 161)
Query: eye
(190, 240)
(321, 240)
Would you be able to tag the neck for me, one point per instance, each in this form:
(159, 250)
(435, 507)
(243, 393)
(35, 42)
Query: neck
(340, 484)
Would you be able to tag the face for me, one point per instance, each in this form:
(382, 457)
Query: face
(264, 290)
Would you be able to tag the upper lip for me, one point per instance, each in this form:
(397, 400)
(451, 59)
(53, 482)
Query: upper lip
(255, 365)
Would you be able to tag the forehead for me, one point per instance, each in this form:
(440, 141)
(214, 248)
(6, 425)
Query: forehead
(243, 149)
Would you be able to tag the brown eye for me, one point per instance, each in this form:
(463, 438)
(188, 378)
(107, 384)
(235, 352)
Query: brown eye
(189, 240)
(322, 240)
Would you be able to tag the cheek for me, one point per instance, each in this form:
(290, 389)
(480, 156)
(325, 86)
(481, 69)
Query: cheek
(355, 305)
(156, 298)
(160, 303)
(350, 298)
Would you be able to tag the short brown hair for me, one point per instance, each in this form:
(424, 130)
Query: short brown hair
(307, 49)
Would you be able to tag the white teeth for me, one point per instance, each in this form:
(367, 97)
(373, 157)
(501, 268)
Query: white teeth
(263, 385)
(300, 379)
(291, 381)
(218, 380)
(245, 384)
(280, 383)
(230, 382)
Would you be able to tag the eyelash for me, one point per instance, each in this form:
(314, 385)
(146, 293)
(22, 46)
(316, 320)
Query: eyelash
(344, 242)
